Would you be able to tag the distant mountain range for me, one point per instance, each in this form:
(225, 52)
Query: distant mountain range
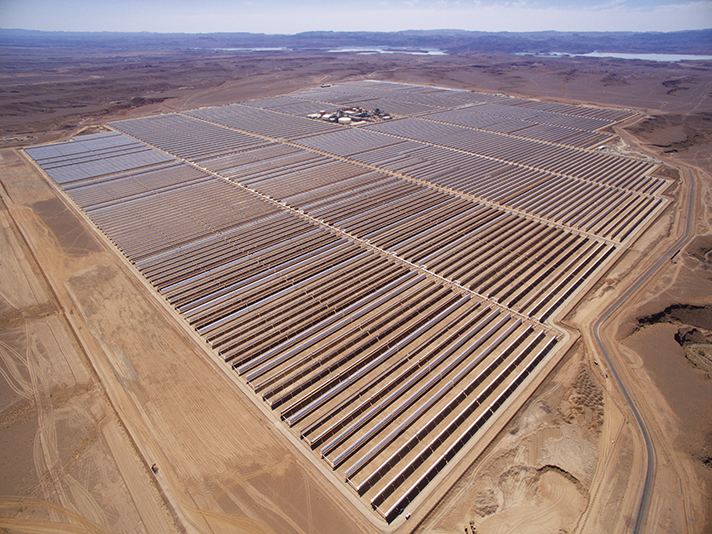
(451, 41)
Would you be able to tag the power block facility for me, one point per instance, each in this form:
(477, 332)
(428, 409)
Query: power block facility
(387, 288)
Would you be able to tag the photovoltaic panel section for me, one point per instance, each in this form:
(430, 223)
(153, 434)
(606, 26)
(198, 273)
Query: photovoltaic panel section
(614, 170)
(364, 92)
(290, 105)
(186, 137)
(146, 226)
(560, 135)
(182, 273)
(408, 462)
(420, 130)
(335, 95)
(478, 120)
(370, 192)
(396, 203)
(285, 183)
(333, 194)
(381, 156)
(309, 295)
(213, 300)
(393, 107)
(502, 255)
(405, 216)
(405, 355)
(100, 167)
(610, 115)
(126, 186)
(349, 93)
(563, 200)
(258, 160)
(489, 180)
(348, 141)
(492, 180)
(439, 99)
(523, 128)
(79, 146)
(104, 142)
(82, 159)
(405, 92)
(538, 116)
(339, 95)
(586, 139)
(273, 102)
(378, 86)
(262, 122)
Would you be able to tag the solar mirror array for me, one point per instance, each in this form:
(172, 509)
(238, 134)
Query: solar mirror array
(385, 288)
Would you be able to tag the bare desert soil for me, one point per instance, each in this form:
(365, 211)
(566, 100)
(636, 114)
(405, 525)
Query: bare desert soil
(65, 89)
(101, 381)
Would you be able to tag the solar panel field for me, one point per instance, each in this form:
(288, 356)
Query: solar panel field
(387, 288)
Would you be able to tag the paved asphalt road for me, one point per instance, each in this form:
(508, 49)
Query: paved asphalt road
(650, 449)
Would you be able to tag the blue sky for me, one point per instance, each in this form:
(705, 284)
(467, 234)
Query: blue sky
(283, 16)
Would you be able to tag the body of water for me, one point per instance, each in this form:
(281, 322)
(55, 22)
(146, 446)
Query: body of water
(387, 50)
(356, 50)
(245, 49)
(647, 57)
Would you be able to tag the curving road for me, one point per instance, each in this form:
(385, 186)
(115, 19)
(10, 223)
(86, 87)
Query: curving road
(649, 447)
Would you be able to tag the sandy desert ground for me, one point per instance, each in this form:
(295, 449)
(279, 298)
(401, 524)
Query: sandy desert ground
(101, 381)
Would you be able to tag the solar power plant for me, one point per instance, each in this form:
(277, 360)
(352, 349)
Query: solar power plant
(386, 289)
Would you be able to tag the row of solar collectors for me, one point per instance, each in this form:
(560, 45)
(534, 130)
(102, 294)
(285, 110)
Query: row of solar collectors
(611, 170)
(186, 137)
(319, 325)
(406, 373)
(302, 107)
(267, 158)
(237, 116)
(613, 218)
(463, 241)
(510, 117)
(94, 155)
(348, 93)
(175, 216)
(606, 114)
(606, 211)
(263, 122)
(496, 109)
(333, 322)
(602, 210)
(396, 470)
(95, 144)
(530, 129)
(448, 98)
(464, 172)
(611, 115)
(544, 126)
(116, 188)
(316, 321)
(289, 104)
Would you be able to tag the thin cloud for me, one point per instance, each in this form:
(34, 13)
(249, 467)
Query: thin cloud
(282, 16)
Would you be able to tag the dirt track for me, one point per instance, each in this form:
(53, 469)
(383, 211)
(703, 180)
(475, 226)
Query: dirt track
(81, 431)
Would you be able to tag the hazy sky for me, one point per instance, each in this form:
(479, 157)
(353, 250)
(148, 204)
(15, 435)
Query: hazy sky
(285, 16)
